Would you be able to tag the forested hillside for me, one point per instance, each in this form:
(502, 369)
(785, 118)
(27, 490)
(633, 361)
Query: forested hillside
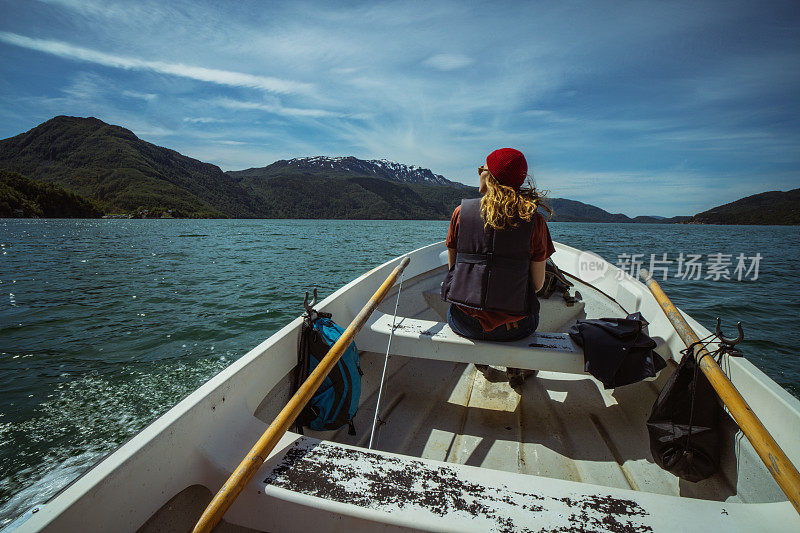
(773, 207)
(112, 166)
(25, 198)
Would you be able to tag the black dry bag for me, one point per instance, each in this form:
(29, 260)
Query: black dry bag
(684, 425)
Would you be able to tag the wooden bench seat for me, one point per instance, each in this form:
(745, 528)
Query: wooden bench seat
(376, 490)
(427, 339)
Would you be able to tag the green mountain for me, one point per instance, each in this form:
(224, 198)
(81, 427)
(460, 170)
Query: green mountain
(286, 191)
(112, 166)
(375, 168)
(573, 211)
(22, 197)
(336, 187)
(773, 207)
(122, 173)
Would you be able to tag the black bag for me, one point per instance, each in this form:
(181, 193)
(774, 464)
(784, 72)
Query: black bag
(684, 425)
(617, 351)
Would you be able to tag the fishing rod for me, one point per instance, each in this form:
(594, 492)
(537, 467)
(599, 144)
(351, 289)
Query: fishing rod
(385, 363)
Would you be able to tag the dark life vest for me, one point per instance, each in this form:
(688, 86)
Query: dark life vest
(492, 268)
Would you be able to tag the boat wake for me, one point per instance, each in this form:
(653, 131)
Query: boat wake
(44, 487)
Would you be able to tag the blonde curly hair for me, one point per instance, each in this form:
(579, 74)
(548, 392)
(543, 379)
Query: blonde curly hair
(502, 207)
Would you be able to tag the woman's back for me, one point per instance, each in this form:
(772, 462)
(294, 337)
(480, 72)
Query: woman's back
(493, 243)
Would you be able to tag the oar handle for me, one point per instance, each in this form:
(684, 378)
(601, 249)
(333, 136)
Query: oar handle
(773, 456)
(258, 454)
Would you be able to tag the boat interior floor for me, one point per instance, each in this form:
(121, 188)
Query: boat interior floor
(556, 425)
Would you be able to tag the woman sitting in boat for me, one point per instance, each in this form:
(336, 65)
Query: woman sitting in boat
(497, 248)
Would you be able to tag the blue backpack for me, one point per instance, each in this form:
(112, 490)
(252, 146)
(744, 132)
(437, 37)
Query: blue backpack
(335, 402)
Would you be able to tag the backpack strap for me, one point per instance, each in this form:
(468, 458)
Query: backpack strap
(303, 354)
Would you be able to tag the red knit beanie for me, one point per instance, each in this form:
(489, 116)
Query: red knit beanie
(508, 166)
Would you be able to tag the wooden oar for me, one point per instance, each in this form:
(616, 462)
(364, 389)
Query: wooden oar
(258, 454)
(776, 461)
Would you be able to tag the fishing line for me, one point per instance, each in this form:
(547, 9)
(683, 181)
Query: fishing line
(385, 362)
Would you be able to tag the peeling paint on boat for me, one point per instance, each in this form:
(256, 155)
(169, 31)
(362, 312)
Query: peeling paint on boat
(391, 484)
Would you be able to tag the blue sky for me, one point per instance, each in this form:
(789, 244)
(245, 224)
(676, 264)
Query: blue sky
(661, 108)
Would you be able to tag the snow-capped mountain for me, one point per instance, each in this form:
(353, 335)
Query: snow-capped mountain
(381, 168)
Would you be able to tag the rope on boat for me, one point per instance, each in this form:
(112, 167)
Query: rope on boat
(385, 364)
(689, 351)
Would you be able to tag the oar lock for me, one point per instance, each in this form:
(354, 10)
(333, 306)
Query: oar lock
(727, 342)
(310, 307)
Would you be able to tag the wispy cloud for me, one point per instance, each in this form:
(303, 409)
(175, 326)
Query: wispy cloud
(205, 120)
(149, 97)
(274, 108)
(447, 61)
(220, 77)
(86, 86)
(659, 98)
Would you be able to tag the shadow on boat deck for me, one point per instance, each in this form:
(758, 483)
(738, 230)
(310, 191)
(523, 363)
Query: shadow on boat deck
(562, 426)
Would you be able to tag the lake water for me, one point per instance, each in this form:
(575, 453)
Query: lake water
(106, 324)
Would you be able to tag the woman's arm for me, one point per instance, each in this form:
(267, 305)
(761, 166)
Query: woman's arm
(537, 274)
(541, 248)
(451, 258)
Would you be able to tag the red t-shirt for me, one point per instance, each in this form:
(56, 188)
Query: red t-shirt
(541, 248)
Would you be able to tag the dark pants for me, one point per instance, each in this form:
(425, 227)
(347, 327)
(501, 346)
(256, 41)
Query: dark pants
(466, 326)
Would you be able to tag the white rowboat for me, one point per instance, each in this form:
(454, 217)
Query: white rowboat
(458, 450)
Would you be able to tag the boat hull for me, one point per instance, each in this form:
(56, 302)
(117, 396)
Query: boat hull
(159, 479)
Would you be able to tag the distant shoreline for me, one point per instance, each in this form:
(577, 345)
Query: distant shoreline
(400, 220)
